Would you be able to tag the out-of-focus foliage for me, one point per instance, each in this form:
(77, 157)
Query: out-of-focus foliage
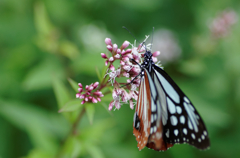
(43, 43)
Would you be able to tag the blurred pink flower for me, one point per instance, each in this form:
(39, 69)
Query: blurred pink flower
(221, 25)
(165, 41)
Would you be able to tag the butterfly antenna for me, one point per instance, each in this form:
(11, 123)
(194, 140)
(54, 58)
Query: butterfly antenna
(142, 43)
(152, 39)
(131, 33)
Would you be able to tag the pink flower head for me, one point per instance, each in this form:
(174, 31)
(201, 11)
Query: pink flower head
(89, 94)
(221, 25)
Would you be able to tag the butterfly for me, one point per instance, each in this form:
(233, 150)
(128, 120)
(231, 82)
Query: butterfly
(164, 115)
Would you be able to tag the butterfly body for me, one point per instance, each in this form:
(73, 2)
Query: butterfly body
(164, 115)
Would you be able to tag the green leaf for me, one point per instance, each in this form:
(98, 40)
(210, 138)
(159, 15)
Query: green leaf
(68, 49)
(90, 109)
(95, 151)
(72, 105)
(104, 71)
(72, 148)
(40, 76)
(74, 84)
(106, 107)
(61, 92)
(98, 74)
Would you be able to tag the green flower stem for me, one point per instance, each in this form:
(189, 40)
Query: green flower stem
(73, 132)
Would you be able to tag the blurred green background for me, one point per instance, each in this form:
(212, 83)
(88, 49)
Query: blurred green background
(43, 43)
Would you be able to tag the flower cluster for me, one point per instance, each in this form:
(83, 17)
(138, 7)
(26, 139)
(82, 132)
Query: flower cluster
(88, 95)
(128, 61)
(128, 67)
(220, 26)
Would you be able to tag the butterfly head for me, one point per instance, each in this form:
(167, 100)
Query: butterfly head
(148, 55)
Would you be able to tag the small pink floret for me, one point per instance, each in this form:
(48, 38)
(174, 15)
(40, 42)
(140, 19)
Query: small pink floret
(109, 48)
(154, 59)
(81, 96)
(78, 95)
(131, 104)
(157, 53)
(104, 55)
(106, 62)
(125, 44)
(83, 102)
(90, 88)
(80, 85)
(80, 90)
(108, 41)
(115, 47)
(95, 84)
(110, 106)
(112, 67)
(122, 62)
(94, 100)
(111, 59)
(118, 51)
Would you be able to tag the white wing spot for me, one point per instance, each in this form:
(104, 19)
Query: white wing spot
(191, 107)
(158, 135)
(167, 133)
(164, 121)
(153, 106)
(192, 116)
(203, 137)
(151, 130)
(184, 138)
(182, 119)
(185, 131)
(155, 117)
(138, 125)
(199, 140)
(190, 125)
(173, 120)
(171, 106)
(168, 88)
(186, 99)
(154, 128)
(193, 135)
(176, 132)
(179, 109)
(205, 133)
(152, 118)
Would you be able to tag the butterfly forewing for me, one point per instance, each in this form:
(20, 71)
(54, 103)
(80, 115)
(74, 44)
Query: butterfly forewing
(142, 115)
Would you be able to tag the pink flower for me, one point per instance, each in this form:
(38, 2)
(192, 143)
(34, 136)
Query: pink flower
(131, 104)
(104, 55)
(88, 95)
(108, 41)
(221, 25)
(125, 45)
(110, 48)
